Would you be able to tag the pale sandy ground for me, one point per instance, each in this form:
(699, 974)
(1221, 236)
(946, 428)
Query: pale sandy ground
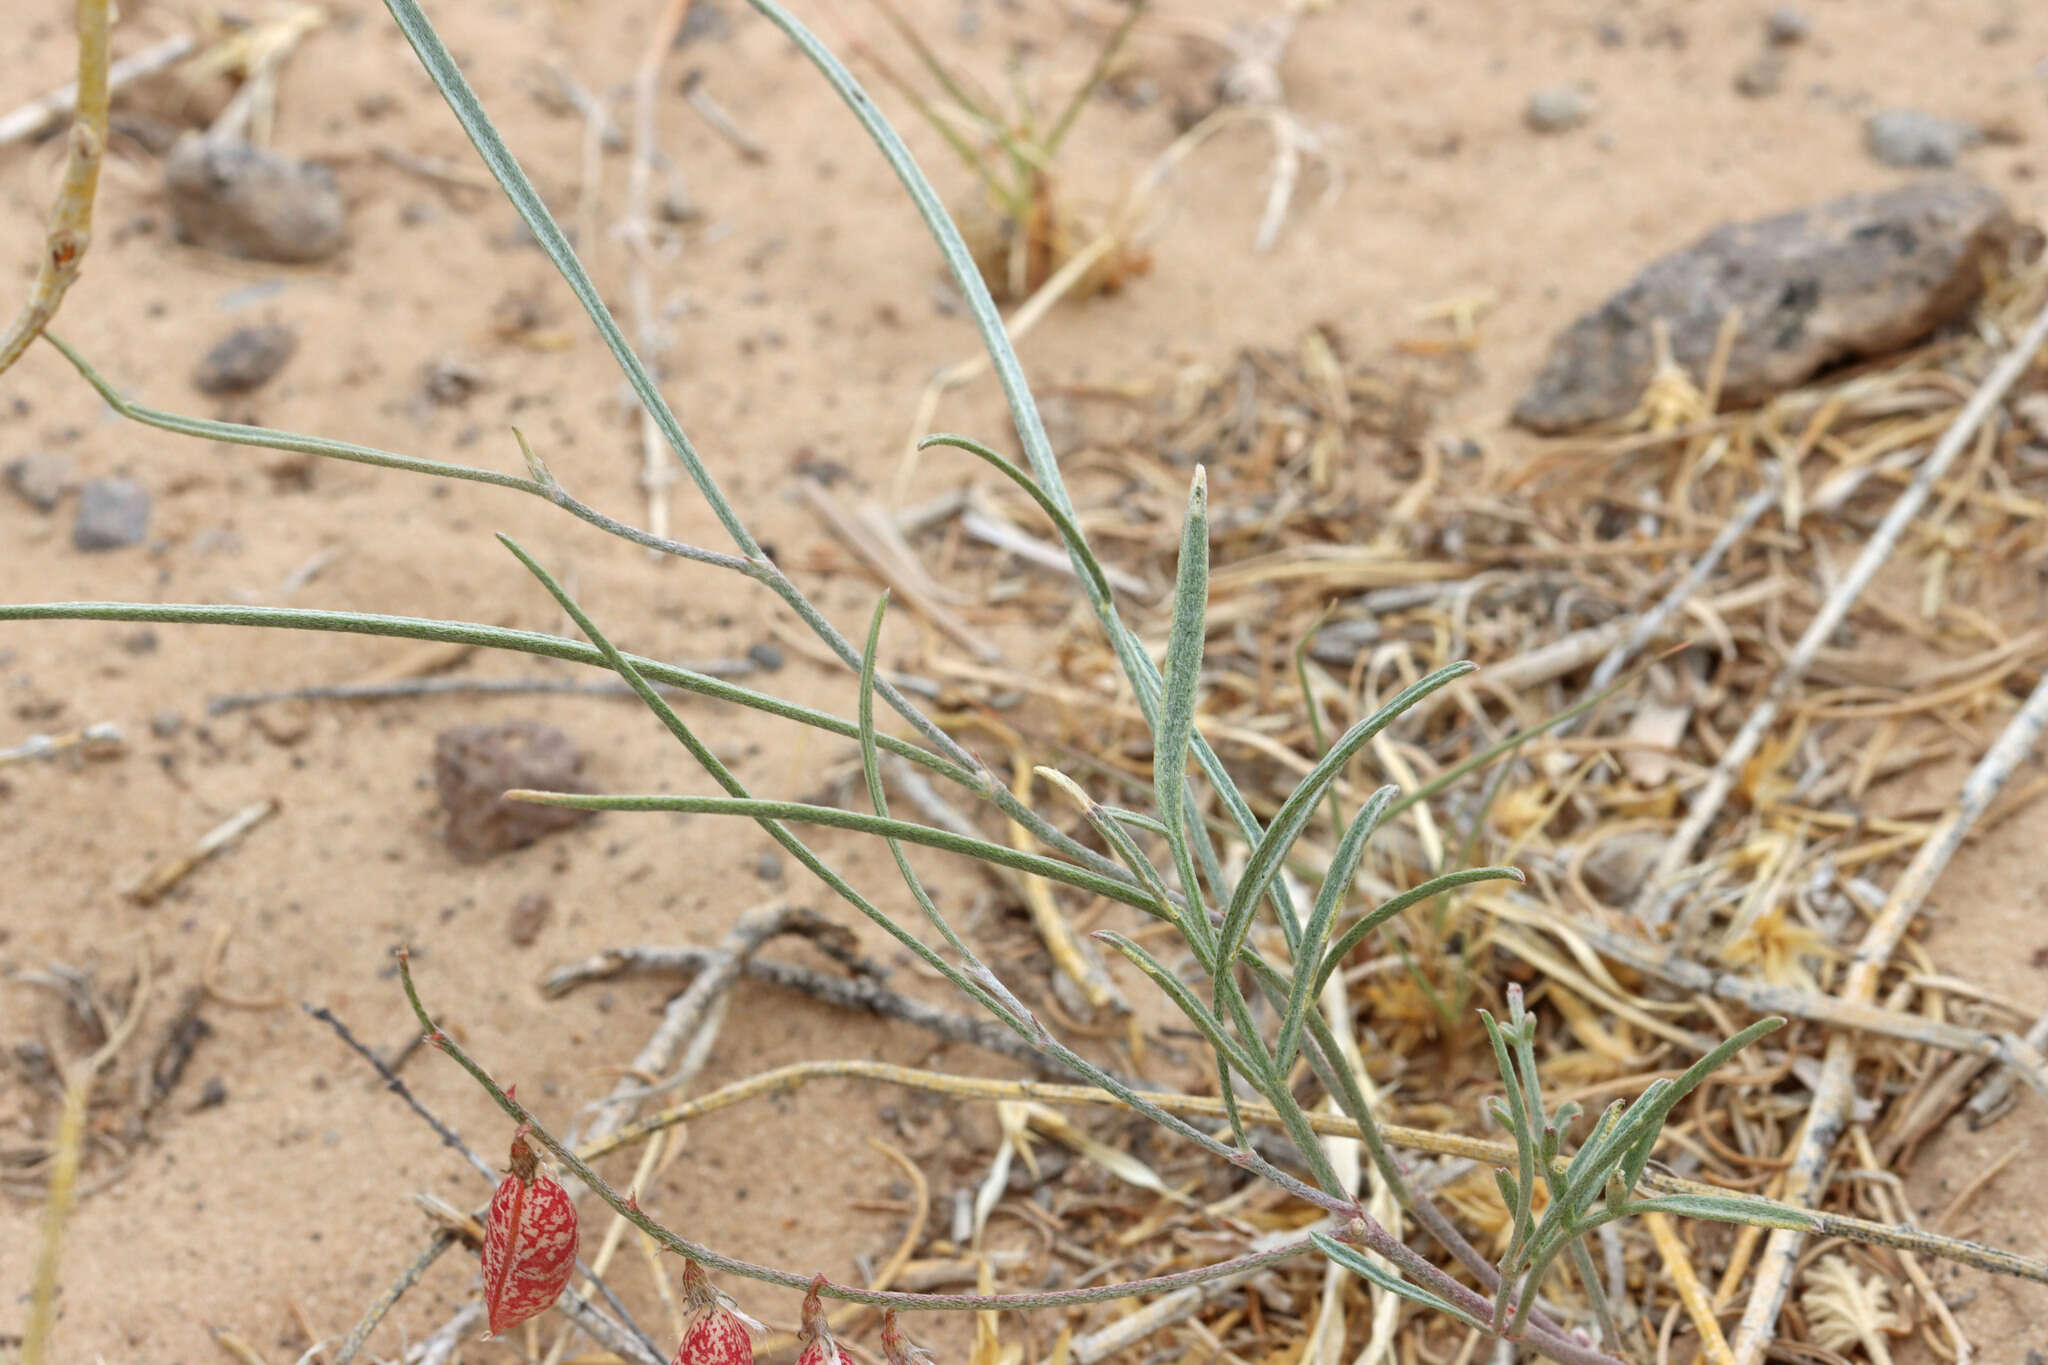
(804, 319)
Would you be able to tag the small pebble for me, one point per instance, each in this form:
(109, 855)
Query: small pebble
(1557, 109)
(166, 724)
(768, 867)
(112, 514)
(241, 200)
(41, 479)
(1787, 25)
(450, 383)
(765, 656)
(1912, 138)
(1761, 75)
(530, 915)
(245, 359)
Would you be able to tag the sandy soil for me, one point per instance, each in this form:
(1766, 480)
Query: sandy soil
(802, 308)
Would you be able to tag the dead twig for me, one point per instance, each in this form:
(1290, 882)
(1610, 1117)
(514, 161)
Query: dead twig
(159, 882)
(1659, 894)
(1836, 1090)
(38, 116)
(857, 993)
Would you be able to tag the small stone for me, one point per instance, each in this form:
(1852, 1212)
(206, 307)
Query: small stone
(474, 765)
(768, 867)
(166, 724)
(1862, 275)
(765, 657)
(676, 207)
(1787, 26)
(1557, 109)
(1910, 138)
(530, 915)
(41, 480)
(212, 1095)
(450, 383)
(112, 515)
(245, 359)
(238, 199)
(1761, 75)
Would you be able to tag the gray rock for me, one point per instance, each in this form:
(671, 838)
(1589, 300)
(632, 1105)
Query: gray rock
(241, 200)
(112, 515)
(246, 358)
(42, 479)
(1786, 26)
(1910, 138)
(1857, 276)
(474, 765)
(1557, 109)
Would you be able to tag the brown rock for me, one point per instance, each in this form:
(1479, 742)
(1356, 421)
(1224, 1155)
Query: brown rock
(475, 764)
(530, 915)
(1857, 276)
(238, 199)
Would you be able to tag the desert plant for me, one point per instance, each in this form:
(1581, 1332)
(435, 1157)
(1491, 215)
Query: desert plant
(1258, 1012)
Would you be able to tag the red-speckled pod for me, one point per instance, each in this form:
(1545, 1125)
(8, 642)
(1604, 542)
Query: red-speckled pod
(715, 1334)
(529, 1242)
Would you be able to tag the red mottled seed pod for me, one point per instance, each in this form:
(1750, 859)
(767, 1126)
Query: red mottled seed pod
(715, 1334)
(529, 1242)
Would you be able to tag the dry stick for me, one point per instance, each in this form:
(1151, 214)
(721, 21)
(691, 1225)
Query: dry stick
(1655, 903)
(1165, 1311)
(1652, 621)
(1993, 1096)
(42, 1299)
(38, 116)
(688, 1021)
(721, 122)
(895, 566)
(857, 993)
(1832, 1096)
(657, 471)
(439, 687)
(167, 875)
(70, 229)
(1849, 1015)
(352, 1344)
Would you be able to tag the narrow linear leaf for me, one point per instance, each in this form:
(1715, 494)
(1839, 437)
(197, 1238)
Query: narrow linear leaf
(1362, 1266)
(1336, 883)
(1036, 864)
